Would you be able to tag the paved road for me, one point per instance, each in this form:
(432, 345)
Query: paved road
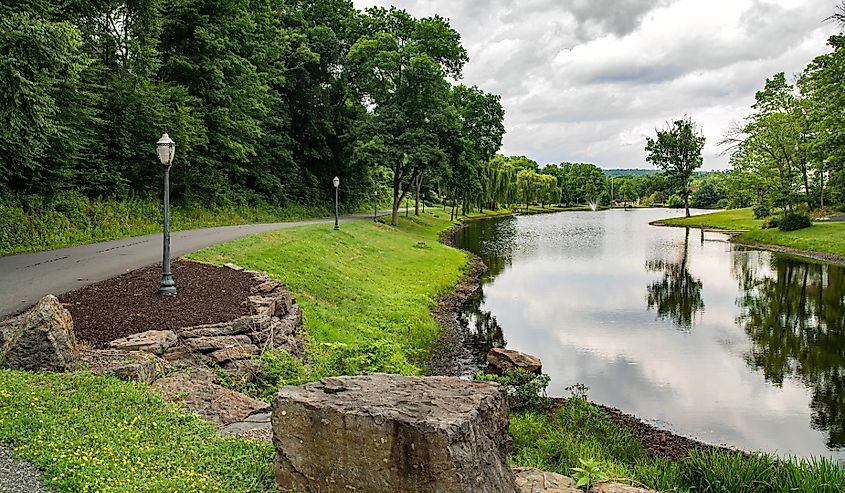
(26, 278)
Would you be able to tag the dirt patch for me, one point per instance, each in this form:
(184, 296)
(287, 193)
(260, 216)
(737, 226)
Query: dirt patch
(130, 303)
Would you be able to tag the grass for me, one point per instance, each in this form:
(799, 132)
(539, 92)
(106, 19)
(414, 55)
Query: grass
(577, 430)
(826, 238)
(366, 291)
(88, 433)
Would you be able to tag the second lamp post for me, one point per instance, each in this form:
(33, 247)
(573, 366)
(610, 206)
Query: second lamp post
(336, 182)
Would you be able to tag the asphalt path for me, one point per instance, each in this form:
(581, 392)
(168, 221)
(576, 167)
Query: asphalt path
(26, 278)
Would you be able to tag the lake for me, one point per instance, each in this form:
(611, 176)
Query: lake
(722, 343)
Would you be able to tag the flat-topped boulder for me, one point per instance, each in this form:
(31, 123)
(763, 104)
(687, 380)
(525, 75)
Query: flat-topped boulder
(530, 480)
(500, 359)
(389, 433)
(152, 341)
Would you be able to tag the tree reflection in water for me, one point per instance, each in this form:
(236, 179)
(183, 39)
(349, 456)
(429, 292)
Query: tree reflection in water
(677, 296)
(796, 321)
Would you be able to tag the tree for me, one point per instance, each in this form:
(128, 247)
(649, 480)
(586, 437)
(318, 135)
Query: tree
(677, 151)
(399, 66)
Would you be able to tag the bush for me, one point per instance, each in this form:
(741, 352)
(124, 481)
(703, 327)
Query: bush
(762, 211)
(771, 223)
(526, 391)
(675, 202)
(793, 222)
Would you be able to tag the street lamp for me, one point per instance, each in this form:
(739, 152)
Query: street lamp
(375, 204)
(336, 182)
(166, 148)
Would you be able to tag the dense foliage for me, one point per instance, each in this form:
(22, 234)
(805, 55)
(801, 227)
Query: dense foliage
(787, 156)
(266, 99)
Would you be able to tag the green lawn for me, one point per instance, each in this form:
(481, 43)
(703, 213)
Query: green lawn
(88, 433)
(366, 291)
(827, 238)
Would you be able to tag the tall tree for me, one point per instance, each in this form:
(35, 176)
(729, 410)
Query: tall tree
(677, 151)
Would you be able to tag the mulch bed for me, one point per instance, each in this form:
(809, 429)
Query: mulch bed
(130, 303)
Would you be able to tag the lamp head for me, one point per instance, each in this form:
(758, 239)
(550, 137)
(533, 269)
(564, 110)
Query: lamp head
(166, 149)
(336, 182)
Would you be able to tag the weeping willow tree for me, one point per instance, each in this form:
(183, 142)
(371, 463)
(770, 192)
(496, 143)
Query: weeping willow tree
(498, 183)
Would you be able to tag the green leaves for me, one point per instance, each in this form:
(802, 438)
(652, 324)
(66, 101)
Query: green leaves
(677, 151)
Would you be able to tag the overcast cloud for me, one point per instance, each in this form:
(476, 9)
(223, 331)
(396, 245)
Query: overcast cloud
(588, 80)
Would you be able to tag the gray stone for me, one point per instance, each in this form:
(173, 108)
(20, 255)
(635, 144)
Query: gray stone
(284, 301)
(283, 333)
(134, 366)
(389, 433)
(153, 341)
(608, 487)
(530, 480)
(234, 267)
(266, 286)
(42, 338)
(499, 360)
(196, 392)
(261, 305)
(209, 344)
(241, 325)
(256, 427)
(233, 353)
(180, 357)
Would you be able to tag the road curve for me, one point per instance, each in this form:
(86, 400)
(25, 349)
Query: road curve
(26, 278)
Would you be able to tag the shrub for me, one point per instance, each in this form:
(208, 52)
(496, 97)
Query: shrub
(762, 211)
(793, 222)
(675, 201)
(771, 223)
(525, 390)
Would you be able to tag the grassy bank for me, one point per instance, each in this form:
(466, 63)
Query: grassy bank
(578, 430)
(88, 434)
(366, 291)
(824, 238)
(37, 224)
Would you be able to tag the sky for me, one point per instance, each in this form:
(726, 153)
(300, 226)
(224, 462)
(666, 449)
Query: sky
(589, 80)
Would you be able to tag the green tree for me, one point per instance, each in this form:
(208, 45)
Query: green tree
(677, 151)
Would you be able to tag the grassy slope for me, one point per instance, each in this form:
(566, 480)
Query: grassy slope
(90, 433)
(826, 238)
(368, 287)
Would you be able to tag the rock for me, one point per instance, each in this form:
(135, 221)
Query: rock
(41, 338)
(239, 326)
(266, 286)
(608, 487)
(153, 341)
(284, 333)
(243, 370)
(531, 480)
(209, 344)
(261, 305)
(389, 433)
(284, 301)
(232, 353)
(234, 267)
(133, 366)
(499, 360)
(179, 357)
(255, 426)
(197, 393)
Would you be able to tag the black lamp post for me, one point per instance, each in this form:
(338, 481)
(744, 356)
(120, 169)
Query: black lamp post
(166, 148)
(336, 182)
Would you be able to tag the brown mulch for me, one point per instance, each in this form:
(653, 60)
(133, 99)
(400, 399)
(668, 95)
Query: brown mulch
(130, 303)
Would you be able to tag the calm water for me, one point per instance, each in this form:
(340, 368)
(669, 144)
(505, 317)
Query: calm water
(726, 344)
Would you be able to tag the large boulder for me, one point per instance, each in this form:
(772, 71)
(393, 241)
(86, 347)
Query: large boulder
(41, 338)
(499, 360)
(153, 341)
(389, 433)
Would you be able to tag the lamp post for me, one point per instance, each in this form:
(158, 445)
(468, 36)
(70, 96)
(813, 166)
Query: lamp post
(166, 148)
(375, 205)
(336, 182)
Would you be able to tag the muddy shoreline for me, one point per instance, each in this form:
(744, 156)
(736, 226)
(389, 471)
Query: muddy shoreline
(452, 357)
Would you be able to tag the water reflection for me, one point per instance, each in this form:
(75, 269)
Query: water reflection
(795, 318)
(677, 295)
(763, 369)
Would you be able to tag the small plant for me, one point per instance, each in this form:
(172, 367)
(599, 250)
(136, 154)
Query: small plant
(590, 472)
(526, 391)
(578, 391)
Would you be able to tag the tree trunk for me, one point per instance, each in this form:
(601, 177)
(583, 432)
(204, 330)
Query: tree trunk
(686, 201)
(417, 202)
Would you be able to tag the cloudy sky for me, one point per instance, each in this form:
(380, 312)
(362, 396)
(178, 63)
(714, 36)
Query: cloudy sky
(588, 80)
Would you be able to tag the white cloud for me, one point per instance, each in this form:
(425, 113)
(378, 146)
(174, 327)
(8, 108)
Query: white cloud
(588, 80)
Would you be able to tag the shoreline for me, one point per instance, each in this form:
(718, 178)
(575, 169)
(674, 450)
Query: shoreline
(733, 237)
(452, 357)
